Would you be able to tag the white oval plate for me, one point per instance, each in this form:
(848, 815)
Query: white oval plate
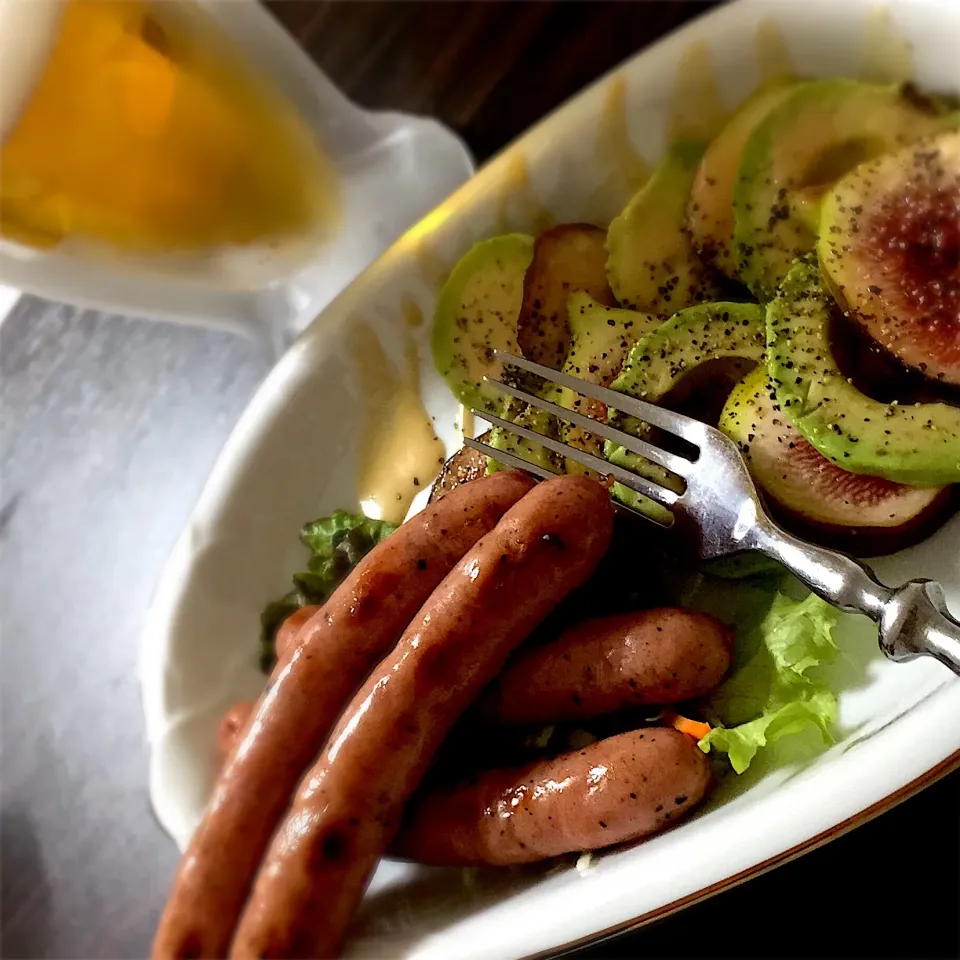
(293, 456)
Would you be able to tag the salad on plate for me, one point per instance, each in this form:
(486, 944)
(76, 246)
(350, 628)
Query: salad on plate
(516, 674)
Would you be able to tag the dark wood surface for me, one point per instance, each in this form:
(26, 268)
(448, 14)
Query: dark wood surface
(109, 427)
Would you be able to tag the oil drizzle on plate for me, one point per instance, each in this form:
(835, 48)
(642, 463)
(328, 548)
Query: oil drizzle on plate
(517, 203)
(432, 268)
(400, 454)
(696, 109)
(887, 56)
(412, 314)
(614, 146)
(772, 53)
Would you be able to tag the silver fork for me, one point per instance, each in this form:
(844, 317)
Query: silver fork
(722, 514)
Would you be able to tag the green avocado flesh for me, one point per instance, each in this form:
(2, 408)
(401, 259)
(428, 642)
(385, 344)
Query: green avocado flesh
(476, 314)
(811, 138)
(620, 457)
(710, 209)
(602, 337)
(796, 476)
(604, 346)
(658, 362)
(697, 335)
(917, 444)
(651, 264)
(528, 450)
(889, 239)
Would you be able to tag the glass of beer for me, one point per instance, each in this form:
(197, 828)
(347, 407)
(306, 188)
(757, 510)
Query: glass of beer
(134, 134)
(185, 159)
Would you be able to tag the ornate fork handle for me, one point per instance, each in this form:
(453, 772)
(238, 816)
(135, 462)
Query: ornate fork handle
(913, 618)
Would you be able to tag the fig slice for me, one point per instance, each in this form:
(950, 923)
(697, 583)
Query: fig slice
(566, 258)
(813, 496)
(465, 465)
(889, 248)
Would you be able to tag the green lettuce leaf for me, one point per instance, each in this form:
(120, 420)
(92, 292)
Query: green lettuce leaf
(773, 690)
(337, 544)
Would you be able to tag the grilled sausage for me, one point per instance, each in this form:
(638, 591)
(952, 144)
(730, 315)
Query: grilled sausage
(349, 805)
(601, 666)
(337, 648)
(615, 790)
(286, 639)
(231, 726)
(234, 721)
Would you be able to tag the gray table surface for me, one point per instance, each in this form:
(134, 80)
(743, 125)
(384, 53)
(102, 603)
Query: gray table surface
(109, 428)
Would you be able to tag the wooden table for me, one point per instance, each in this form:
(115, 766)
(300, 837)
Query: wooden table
(109, 428)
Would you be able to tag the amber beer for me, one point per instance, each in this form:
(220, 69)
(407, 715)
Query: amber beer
(136, 125)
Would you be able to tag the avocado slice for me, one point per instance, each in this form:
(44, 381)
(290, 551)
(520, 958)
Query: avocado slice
(602, 337)
(620, 457)
(651, 264)
(888, 248)
(692, 337)
(818, 132)
(660, 360)
(532, 419)
(710, 208)
(477, 313)
(917, 444)
(811, 494)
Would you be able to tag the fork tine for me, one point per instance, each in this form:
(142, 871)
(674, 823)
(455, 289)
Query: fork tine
(668, 461)
(648, 488)
(690, 430)
(518, 463)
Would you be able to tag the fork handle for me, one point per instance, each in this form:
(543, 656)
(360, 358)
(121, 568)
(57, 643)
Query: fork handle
(913, 618)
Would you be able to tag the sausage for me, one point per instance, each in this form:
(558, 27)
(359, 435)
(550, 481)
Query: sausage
(349, 805)
(231, 726)
(610, 664)
(234, 721)
(285, 642)
(336, 650)
(615, 790)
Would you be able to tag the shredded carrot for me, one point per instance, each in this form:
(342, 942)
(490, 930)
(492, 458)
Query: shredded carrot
(693, 728)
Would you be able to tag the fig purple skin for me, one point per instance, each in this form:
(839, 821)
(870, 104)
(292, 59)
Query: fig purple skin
(889, 249)
(814, 497)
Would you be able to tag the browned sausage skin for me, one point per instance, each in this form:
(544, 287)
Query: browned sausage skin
(234, 721)
(615, 790)
(232, 726)
(286, 639)
(349, 805)
(612, 663)
(336, 650)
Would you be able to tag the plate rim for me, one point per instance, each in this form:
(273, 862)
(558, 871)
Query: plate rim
(943, 769)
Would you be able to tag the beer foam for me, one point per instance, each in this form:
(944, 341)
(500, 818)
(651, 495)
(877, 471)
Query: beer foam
(27, 31)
